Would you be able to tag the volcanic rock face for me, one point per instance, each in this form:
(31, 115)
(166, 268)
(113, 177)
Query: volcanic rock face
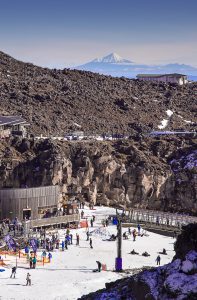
(130, 173)
(55, 101)
(177, 280)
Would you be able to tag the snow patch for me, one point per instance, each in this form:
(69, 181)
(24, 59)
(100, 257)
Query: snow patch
(169, 112)
(163, 125)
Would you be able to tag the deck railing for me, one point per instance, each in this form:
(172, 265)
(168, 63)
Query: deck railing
(51, 221)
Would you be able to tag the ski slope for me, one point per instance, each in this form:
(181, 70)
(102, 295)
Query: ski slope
(70, 274)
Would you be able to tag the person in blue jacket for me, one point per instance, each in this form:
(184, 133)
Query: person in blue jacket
(63, 245)
(49, 256)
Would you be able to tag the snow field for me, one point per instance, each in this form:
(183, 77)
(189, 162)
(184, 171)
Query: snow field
(70, 274)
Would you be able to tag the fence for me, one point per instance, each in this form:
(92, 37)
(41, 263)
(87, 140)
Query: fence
(160, 218)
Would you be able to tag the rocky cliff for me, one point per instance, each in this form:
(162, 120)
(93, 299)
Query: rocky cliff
(151, 173)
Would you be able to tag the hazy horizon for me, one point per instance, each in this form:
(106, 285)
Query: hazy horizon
(64, 34)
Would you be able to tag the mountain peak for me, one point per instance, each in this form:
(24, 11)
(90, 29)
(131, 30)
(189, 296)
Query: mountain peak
(112, 58)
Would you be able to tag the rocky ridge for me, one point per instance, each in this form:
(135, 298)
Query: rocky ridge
(95, 103)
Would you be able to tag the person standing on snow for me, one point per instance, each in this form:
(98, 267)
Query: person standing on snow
(138, 227)
(99, 265)
(63, 245)
(158, 260)
(91, 244)
(134, 235)
(34, 260)
(71, 238)
(77, 239)
(49, 256)
(13, 272)
(28, 279)
(88, 235)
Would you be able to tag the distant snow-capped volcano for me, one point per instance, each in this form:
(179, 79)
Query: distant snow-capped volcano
(114, 65)
(112, 58)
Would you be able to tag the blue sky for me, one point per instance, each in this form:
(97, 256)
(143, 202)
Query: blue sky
(62, 33)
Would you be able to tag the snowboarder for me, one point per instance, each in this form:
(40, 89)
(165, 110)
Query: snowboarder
(146, 254)
(13, 272)
(163, 252)
(134, 252)
(91, 244)
(99, 265)
(28, 279)
(158, 260)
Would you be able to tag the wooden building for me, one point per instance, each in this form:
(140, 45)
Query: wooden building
(28, 203)
(12, 125)
(168, 78)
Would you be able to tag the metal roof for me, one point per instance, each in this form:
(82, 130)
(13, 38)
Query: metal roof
(12, 120)
(161, 75)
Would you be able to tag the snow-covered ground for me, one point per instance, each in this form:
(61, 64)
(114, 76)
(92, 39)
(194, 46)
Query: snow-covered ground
(70, 274)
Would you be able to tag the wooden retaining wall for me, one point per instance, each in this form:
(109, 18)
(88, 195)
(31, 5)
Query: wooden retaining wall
(14, 201)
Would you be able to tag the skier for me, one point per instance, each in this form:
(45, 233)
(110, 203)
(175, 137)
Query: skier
(13, 272)
(91, 244)
(28, 279)
(99, 265)
(91, 222)
(158, 260)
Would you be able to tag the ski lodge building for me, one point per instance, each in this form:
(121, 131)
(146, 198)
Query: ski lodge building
(168, 78)
(12, 125)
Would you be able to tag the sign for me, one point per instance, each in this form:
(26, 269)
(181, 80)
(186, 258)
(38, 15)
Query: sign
(10, 242)
(33, 243)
